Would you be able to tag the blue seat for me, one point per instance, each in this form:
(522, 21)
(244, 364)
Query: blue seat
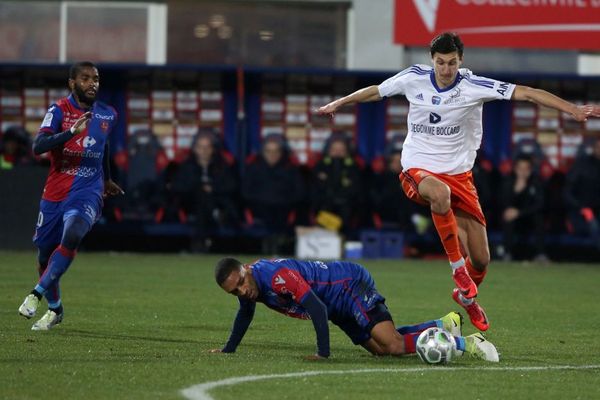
(382, 244)
(392, 244)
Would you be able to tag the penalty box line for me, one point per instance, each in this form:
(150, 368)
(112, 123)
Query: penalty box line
(200, 391)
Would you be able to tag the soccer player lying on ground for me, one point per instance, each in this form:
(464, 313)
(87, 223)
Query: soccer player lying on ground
(341, 292)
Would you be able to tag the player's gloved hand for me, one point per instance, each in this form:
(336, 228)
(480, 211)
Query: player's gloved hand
(81, 123)
(315, 357)
(112, 189)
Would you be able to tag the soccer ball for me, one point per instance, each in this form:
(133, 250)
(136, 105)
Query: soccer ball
(435, 346)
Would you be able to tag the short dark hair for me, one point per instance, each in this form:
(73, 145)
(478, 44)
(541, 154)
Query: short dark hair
(78, 66)
(527, 157)
(446, 43)
(224, 268)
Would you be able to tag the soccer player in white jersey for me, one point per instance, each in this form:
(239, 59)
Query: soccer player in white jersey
(444, 133)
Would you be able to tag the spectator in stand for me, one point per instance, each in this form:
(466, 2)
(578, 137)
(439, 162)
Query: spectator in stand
(390, 203)
(337, 186)
(582, 194)
(142, 167)
(205, 188)
(15, 148)
(483, 177)
(272, 188)
(522, 203)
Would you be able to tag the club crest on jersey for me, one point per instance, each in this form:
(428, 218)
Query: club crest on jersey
(86, 142)
(436, 100)
(104, 126)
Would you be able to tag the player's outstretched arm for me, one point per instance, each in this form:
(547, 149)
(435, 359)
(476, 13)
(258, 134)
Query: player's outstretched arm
(544, 98)
(242, 321)
(318, 315)
(369, 93)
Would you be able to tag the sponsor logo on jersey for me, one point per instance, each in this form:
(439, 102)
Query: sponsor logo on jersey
(321, 264)
(436, 100)
(48, 118)
(83, 172)
(83, 154)
(420, 96)
(86, 142)
(434, 118)
(279, 280)
(502, 88)
(435, 130)
(105, 117)
(455, 97)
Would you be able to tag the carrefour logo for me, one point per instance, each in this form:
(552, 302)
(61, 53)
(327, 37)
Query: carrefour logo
(86, 142)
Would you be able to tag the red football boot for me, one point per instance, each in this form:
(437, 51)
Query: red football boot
(476, 313)
(464, 282)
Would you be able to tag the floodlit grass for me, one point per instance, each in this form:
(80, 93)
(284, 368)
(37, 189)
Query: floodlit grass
(140, 327)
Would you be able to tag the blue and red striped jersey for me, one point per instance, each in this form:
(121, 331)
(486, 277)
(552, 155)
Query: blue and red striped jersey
(76, 166)
(283, 284)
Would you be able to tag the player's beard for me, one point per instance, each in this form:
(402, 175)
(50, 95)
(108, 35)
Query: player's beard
(83, 97)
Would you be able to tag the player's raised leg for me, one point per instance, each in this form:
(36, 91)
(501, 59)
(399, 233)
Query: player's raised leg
(474, 237)
(476, 313)
(437, 193)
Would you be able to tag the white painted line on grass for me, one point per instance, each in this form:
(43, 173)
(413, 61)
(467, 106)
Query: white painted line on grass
(200, 391)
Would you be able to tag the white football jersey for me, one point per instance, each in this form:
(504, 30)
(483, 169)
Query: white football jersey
(444, 125)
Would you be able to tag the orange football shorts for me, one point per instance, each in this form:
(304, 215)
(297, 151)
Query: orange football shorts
(463, 194)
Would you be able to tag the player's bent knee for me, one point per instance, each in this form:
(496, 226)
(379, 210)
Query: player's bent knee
(481, 260)
(440, 197)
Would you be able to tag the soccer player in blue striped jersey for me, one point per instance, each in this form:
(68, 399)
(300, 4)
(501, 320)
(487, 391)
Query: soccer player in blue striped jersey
(341, 292)
(75, 133)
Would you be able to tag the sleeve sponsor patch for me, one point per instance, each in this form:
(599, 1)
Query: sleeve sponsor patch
(47, 122)
(287, 281)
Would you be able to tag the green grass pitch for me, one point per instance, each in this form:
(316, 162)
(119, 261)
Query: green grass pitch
(140, 327)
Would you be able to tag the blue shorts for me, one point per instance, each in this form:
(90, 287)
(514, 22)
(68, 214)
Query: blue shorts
(363, 306)
(53, 214)
(359, 331)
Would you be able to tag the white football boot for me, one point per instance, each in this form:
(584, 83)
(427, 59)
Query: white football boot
(29, 306)
(48, 321)
(478, 346)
